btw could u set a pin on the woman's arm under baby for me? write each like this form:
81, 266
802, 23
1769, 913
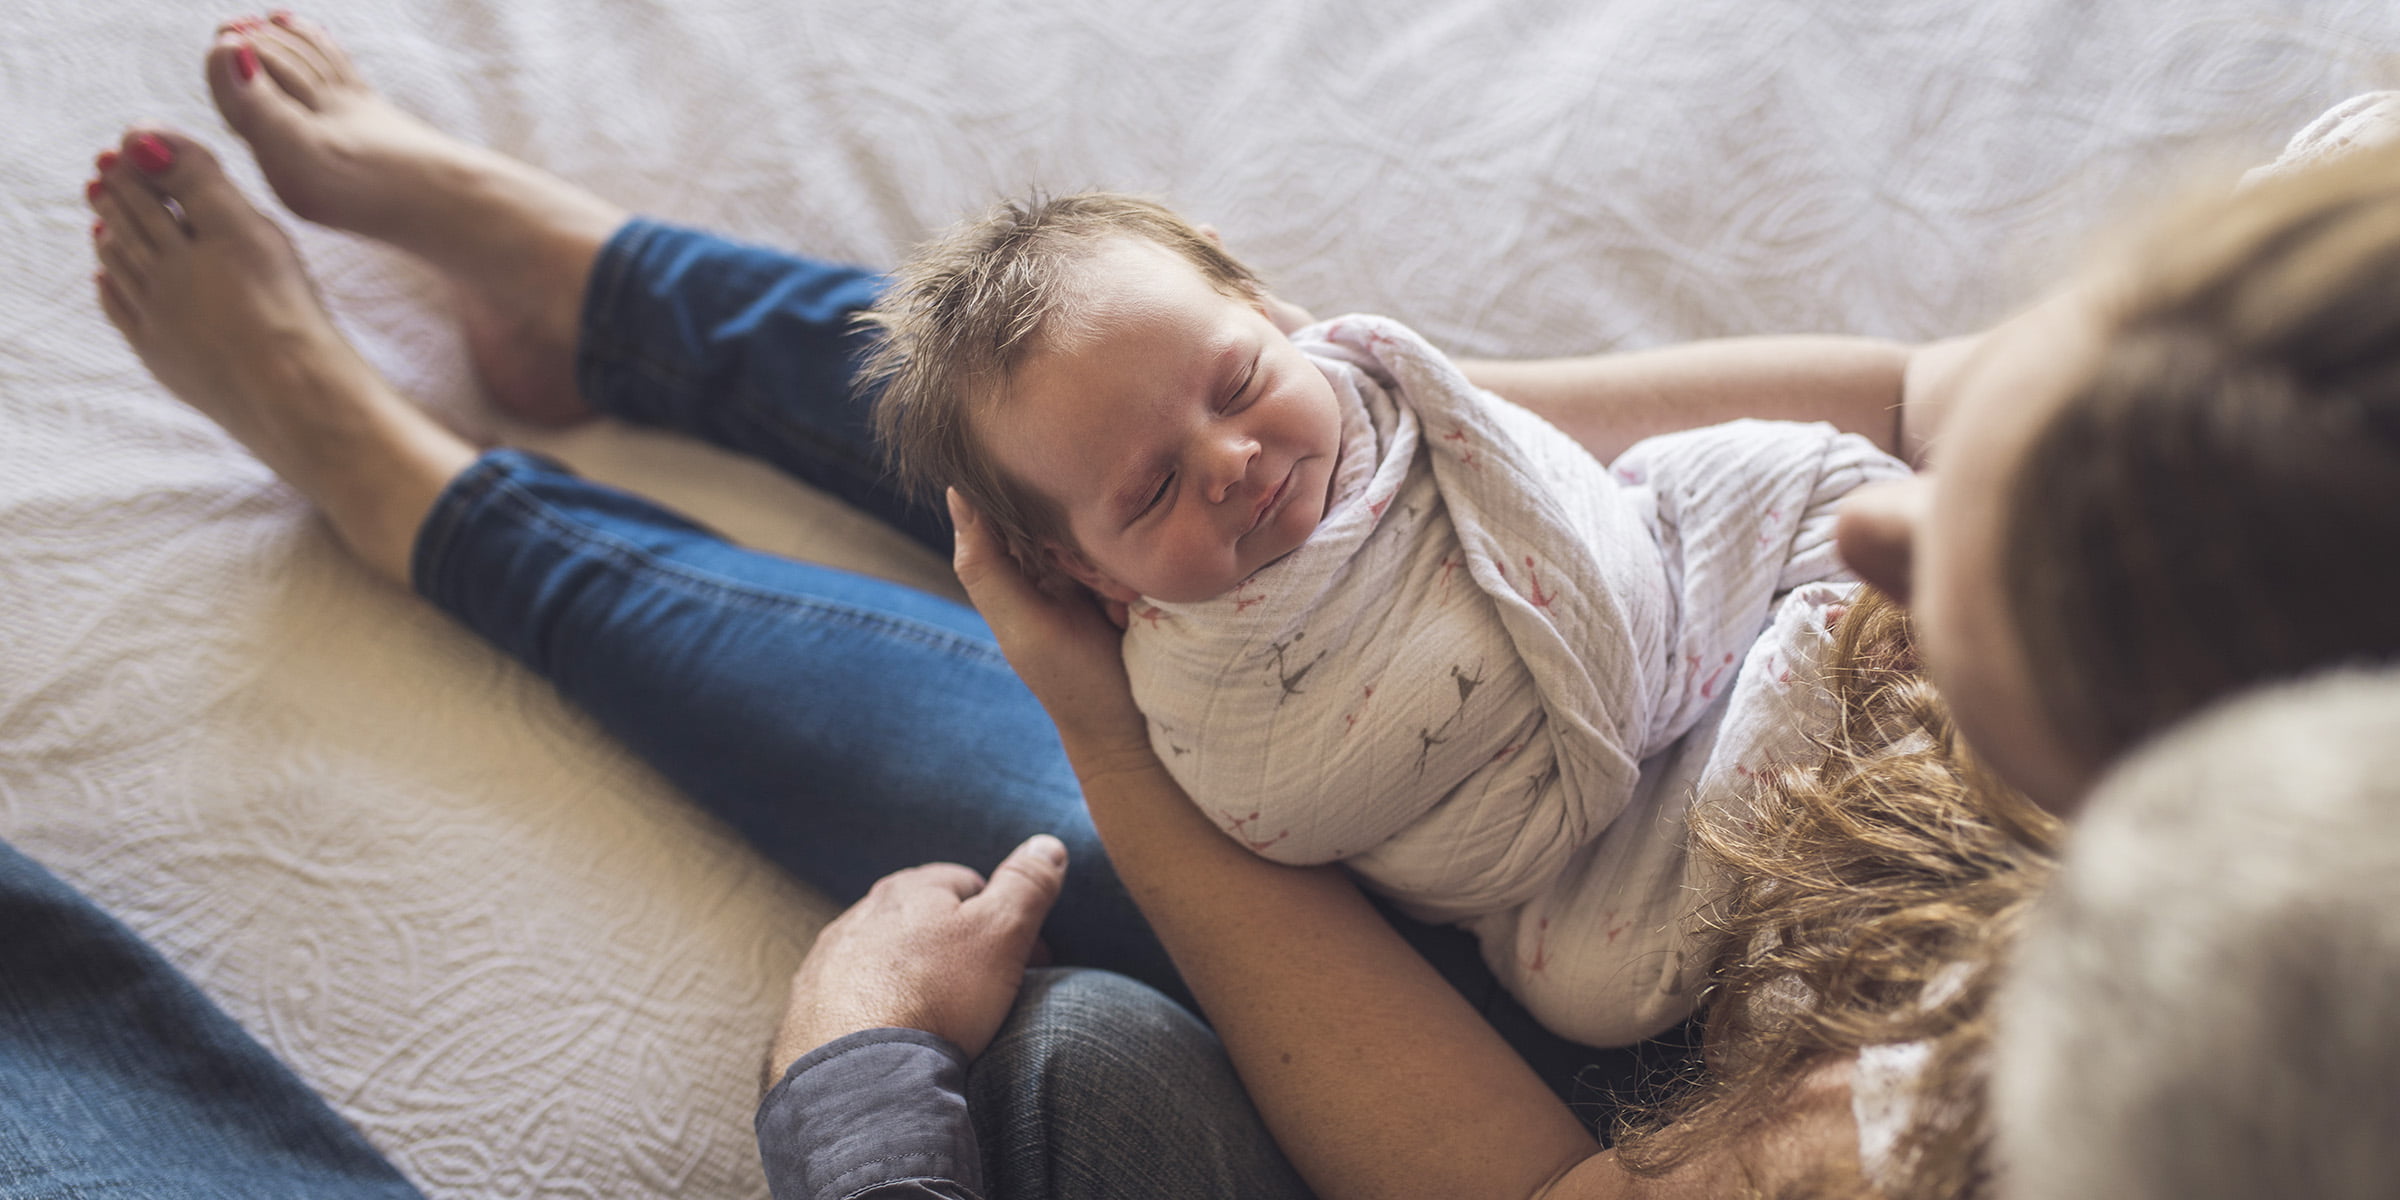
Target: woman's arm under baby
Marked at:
1608, 402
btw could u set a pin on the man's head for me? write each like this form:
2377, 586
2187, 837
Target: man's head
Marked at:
1102, 381
2201, 1006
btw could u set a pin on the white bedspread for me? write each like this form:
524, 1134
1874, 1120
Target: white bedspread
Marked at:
512, 956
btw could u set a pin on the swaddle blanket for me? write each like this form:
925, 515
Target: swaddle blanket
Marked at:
1453, 684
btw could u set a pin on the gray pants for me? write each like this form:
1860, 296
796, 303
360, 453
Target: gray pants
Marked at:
1098, 1086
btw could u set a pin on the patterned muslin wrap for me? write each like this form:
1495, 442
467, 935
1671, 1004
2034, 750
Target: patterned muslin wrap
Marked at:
1497, 675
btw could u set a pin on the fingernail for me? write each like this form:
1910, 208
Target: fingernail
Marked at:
107, 160
1049, 848
91, 191
281, 16
152, 154
245, 63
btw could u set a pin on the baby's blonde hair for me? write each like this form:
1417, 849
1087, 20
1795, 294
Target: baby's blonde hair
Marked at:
962, 314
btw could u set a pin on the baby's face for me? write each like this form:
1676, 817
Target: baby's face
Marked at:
1188, 442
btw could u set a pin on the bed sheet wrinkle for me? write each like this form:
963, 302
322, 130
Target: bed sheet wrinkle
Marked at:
504, 948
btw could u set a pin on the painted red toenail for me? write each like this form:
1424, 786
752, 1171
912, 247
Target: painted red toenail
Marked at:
245, 63
91, 191
152, 154
107, 160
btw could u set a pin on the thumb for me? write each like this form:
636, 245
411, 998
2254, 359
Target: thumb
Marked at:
968, 536
976, 555
1025, 885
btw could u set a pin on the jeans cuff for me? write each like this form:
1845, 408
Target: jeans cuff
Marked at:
428, 573
602, 331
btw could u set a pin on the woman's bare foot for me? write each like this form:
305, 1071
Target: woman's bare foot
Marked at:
517, 243
213, 299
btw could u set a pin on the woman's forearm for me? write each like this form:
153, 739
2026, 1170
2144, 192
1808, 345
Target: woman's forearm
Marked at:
1608, 402
1375, 1076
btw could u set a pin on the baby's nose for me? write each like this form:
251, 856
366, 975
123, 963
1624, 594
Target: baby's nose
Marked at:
1229, 465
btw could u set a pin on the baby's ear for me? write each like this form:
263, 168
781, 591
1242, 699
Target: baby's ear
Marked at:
1286, 316
1080, 569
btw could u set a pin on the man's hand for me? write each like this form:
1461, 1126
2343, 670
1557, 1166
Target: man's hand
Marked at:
935, 948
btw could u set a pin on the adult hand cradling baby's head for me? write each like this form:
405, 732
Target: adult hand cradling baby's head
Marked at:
1064, 647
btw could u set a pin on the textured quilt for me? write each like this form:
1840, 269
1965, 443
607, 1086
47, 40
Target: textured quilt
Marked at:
517, 960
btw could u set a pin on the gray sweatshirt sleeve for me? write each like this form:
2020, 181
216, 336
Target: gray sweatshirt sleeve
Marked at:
877, 1115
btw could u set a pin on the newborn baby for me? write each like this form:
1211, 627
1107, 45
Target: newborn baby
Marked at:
1375, 614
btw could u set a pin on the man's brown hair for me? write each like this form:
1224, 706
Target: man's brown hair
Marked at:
964, 312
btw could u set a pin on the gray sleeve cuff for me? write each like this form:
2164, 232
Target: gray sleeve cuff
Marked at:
881, 1113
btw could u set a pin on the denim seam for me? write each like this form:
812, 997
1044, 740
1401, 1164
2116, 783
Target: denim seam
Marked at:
505, 492
881, 1180
432, 550
611, 274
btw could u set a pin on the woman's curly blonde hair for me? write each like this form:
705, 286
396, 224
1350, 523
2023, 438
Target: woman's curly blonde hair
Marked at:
1872, 893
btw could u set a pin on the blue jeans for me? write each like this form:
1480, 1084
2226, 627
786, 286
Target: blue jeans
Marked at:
847, 726
118, 1078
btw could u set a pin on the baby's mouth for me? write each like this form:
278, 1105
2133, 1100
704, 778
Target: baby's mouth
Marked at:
1267, 506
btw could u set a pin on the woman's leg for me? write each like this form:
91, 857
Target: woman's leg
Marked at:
750, 348
848, 726
213, 300
516, 243
571, 308
845, 725
121, 1079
